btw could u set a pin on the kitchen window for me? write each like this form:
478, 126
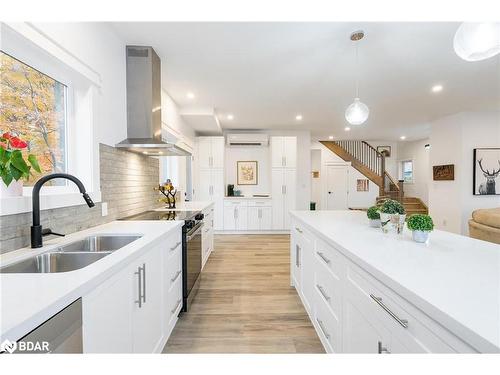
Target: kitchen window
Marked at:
33, 107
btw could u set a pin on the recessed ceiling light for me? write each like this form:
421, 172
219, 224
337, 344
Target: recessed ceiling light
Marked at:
298, 117
330, 137
230, 117
347, 128
402, 137
190, 95
437, 88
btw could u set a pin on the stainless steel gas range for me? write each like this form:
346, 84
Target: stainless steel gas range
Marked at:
191, 247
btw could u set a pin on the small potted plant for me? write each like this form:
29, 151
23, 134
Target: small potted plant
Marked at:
373, 217
13, 167
392, 215
421, 225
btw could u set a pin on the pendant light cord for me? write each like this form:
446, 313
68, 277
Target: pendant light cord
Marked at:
357, 70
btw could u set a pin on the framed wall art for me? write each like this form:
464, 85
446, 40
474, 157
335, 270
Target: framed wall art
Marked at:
486, 171
247, 172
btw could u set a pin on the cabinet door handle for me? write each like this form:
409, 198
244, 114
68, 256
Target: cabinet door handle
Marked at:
378, 300
176, 276
297, 255
176, 306
322, 256
322, 291
175, 246
322, 327
298, 230
284, 161
382, 349
284, 189
144, 282
139, 289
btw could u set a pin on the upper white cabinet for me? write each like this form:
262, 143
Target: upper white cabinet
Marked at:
210, 152
283, 152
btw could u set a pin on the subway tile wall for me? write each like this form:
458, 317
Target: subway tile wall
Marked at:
127, 182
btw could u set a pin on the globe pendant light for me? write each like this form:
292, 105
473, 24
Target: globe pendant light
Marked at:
357, 113
475, 41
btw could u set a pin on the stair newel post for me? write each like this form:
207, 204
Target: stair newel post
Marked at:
382, 174
401, 192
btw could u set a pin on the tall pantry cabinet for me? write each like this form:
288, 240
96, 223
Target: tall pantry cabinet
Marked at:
283, 180
209, 186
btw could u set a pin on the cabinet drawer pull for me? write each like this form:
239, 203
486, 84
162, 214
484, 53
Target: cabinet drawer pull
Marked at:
176, 276
322, 256
322, 327
176, 306
144, 282
298, 230
378, 300
139, 286
175, 246
297, 256
382, 349
322, 291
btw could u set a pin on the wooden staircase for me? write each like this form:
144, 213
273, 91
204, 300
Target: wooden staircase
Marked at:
371, 163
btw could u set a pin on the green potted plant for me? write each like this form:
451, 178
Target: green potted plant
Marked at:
13, 167
373, 216
392, 215
421, 226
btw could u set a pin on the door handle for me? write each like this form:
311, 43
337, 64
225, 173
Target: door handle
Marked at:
282, 161
322, 256
322, 327
402, 322
284, 188
297, 256
144, 282
322, 291
175, 246
382, 349
329, 192
139, 287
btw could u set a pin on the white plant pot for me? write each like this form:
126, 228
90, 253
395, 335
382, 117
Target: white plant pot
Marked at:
15, 189
375, 223
390, 222
420, 236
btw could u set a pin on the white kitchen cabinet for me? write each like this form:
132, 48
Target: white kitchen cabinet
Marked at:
128, 312
283, 196
211, 189
210, 152
235, 215
283, 152
259, 218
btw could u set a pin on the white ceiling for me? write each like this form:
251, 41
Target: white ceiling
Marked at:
266, 73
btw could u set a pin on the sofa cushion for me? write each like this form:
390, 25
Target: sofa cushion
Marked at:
487, 216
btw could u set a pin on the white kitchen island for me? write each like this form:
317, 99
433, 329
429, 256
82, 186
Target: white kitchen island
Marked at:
366, 291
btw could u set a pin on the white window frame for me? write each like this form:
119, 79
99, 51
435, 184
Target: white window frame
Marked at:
401, 174
29, 46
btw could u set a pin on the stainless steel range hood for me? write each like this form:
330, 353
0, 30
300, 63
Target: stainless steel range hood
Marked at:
144, 130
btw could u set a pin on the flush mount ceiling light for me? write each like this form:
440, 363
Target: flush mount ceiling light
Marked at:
230, 117
402, 137
347, 129
437, 88
330, 137
190, 95
475, 41
298, 117
357, 113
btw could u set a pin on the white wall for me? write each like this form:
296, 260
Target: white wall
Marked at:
422, 170
259, 154
391, 164
452, 140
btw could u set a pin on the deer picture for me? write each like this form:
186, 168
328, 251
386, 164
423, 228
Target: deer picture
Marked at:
488, 187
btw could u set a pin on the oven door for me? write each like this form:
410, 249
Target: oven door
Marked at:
193, 258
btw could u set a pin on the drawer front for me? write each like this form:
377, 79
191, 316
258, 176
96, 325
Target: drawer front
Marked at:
230, 203
174, 270
174, 301
301, 232
328, 288
405, 323
327, 325
174, 245
330, 258
260, 203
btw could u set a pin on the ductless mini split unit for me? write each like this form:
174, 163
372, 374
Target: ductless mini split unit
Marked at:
250, 139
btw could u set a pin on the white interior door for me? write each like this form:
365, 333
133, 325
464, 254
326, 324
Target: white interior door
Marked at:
336, 187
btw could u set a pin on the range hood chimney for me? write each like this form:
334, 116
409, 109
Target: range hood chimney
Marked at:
144, 130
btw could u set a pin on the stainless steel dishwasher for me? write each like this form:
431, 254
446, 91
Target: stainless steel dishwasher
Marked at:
62, 333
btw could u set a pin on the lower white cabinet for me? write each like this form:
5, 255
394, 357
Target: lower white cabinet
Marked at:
247, 215
352, 311
128, 313
207, 235
259, 218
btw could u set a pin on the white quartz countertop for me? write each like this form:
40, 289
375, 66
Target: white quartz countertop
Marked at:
453, 279
249, 197
27, 300
188, 206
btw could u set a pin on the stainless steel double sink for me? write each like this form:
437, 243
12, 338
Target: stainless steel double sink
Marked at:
72, 256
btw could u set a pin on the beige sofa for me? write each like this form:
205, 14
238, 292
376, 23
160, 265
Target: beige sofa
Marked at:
485, 225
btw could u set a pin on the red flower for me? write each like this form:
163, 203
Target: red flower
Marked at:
6, 136
17, 143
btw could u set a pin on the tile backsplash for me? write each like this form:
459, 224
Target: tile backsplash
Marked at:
127, 182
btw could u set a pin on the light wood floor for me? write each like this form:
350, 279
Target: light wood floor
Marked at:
245, 303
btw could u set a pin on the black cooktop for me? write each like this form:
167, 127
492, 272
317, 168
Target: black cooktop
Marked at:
163, 215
